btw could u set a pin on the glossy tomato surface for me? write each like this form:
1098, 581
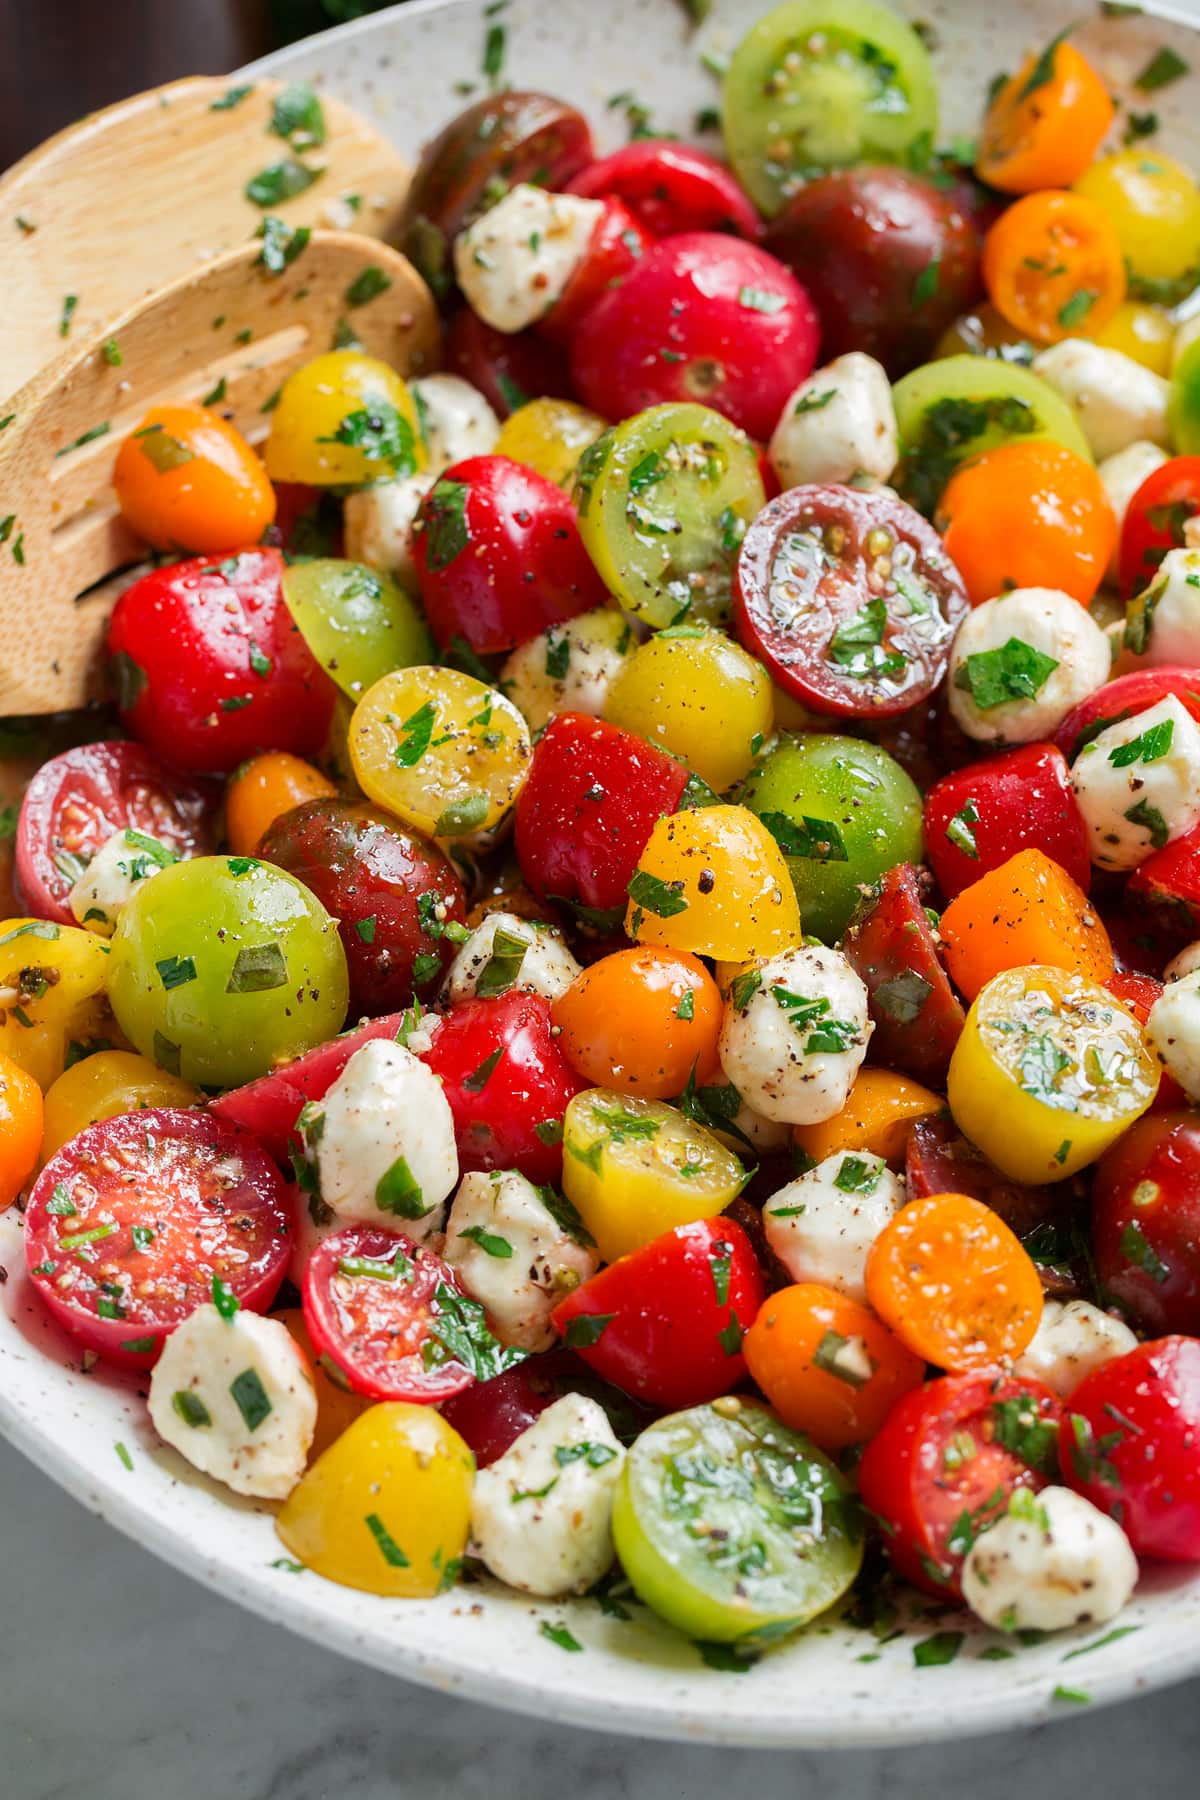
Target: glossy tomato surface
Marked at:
508, 368
1123, 699
671, 188
891, 947
1146, 1223
617, 245
977, 817
1155, 519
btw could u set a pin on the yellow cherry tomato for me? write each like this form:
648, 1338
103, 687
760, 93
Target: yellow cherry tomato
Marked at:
51, 993
713, 881
337, 1407
635, 1168
1154, 206
344, 419
104, 1085
387, 1507
1140, 331
550, 436
21, 1122
877, 1117
696, 693
1049, 1071
569, 668
442, 751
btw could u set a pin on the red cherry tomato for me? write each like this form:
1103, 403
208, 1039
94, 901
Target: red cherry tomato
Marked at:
848, 599
705, 318
671, 1316
75, 803
491, 1415
270, 1106
1122, 699
508, 368
498, 555
1131, 1444
617, 245
371, 1304
1155, 518
308, 521
128, 1224
1146, 1222
1137, 994
978, 817
672, 188
1170, 878
891, 947
949, 1456
209, 668
508, 1084
586, 813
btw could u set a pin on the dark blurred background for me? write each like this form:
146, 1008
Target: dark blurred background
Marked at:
62, 58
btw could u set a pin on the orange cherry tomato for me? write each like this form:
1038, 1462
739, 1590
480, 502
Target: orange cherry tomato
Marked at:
1046, 123
876, 1117
187, 480
954, 1283
337, 1407
640, 1021
264, 788
21, 1120
1028, 515
1026, 911
1053, 265
827, 1365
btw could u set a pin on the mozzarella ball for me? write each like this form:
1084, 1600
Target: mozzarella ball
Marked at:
514, 1256
838, 423
1186, 963
1173, 1031
121, 864
1138, 784
795, 1043
378, 523
1122, 475
569, 667
456, 420
822, 1225
546, 965
1116, 400
1162, 624
541, 1516
1071, 1340
1054, 1560
235, 1397
384, 1142
515, 261
999, 688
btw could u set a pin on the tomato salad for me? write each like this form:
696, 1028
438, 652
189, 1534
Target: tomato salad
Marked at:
624, 991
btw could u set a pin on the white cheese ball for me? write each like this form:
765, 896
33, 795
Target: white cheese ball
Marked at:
989, 700
515, 261
1117, 401
1054, 1562
795, 1044
235, 1397
456, 419
1137, 784
838, 423
541, 1516
1162, 624
384, 1142
378, 522
513, 1255
1173, 1031
822, 1225
1122, 475
1186, 963
570, 667
546, 967
1071, 1340
116, 872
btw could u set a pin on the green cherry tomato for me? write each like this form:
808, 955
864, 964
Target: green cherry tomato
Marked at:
843, 812
358, 624
223, 966
732, 1527
664, 500
1183, 407
816, 86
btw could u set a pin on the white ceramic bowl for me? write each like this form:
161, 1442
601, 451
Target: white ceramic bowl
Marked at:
833, 1685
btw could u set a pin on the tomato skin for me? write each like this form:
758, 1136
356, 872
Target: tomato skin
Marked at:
1044, 136
1046, 252
1143, 1411
490, 1415
662, 1344
863, 240
192, 695
498, 555
1170, 878
617, 245
308, 521
587, 810
369, 872
203, 1225
79, 798
213, 492
1154, 520
496, 1114
22, 1122
508, 368
892, 938
683, 298
671, 188
905, 1481
1146, 1223
1021, 798
938, 1159
623, 1027
262, 790
1137, 993
1121, 699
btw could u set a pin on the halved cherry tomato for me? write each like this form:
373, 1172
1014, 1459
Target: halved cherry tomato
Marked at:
1146, 1223
129, 1225
878, 1117
21, 1124
641, 1021
940, 1160
1046, 123
78, 799
666, 1322
1028, 910
890, 945
980, 816
617, 245
187, 480
1122, 699
1053, 266
953, 1282
671, 188
848, 599
946, 1463
509, 368
262, 790
1155, 519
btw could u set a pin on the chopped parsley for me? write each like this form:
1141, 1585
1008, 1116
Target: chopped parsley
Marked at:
1016, 671
490, 1242
399, 1192
818, 840
1164, 67
367, 285
281, 181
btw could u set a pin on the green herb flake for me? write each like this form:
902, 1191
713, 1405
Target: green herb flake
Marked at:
857, 1176
502, 970
586, 1329
365, 928
810, 403
1075, 310
490, 1242
1016, 671
1071, 1696
459, 1332
1042, 72
250, 1397
123, 1455
961, 830
934, 1652
224, 1299
817, 840
857, 646
298, 117
281, 245
477, 1080
230, 98
281, 181
389, 1549
257, 969
399, 1192
176, 971
382, 435
191, 1409
1019, 1426
1151, 820
1136, 1248
167, 1055
1164, 67
70, 302
902, 997
925, 286
60, 1203
662, 898
559, 1635
367, 285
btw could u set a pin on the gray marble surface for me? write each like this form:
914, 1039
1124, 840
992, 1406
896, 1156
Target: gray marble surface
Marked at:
122, 1680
